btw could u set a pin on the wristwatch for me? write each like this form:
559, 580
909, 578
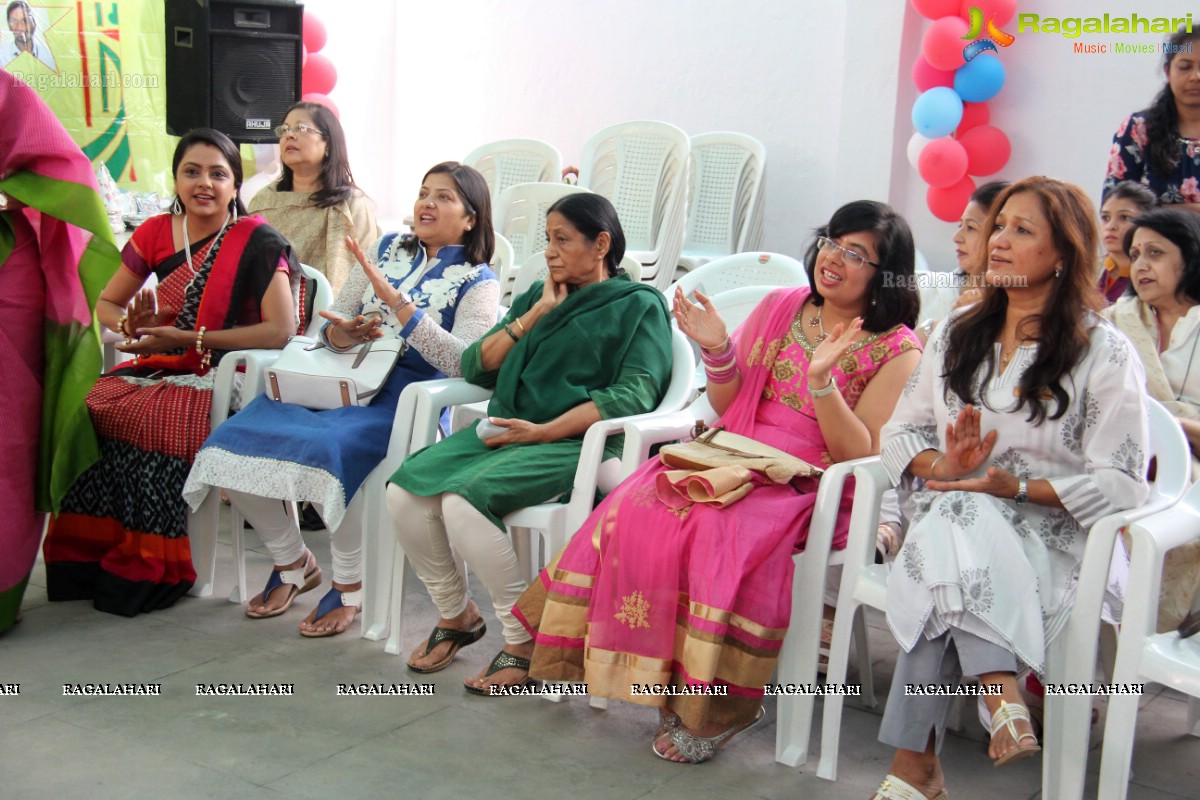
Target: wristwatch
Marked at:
1022, 495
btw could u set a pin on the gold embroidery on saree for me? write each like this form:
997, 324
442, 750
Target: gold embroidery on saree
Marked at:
635, 610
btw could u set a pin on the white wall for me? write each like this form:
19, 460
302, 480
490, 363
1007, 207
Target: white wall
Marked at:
825, 86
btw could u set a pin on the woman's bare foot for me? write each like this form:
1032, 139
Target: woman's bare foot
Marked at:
1003, 743
510, 676
337, 620
469, 618
923, 771
667, 749
282, 595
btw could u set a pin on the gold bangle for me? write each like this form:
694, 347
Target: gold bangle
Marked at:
933, 466
521, 325
200, 340
718, 349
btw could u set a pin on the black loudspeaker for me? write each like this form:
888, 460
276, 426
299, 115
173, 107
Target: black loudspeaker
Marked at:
233, 66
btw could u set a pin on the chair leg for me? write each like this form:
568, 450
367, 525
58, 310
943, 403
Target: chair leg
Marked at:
202, 539
1119, 730
831, 716
399, 568
862, 653
237, 537
379, 553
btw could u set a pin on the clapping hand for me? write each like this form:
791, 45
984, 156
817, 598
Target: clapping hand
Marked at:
966, 451
157, 339
700, 322
830, 351
143, 313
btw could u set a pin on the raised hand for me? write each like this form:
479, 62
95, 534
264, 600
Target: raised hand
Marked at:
966, 448
830, 351
389, 294
699, 322
143, 312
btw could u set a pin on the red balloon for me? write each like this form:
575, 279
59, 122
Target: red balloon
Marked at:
926, 77
318, 74
942, 163
947, 204
314, 34
935, 9
987, 149
943, 43
974, 115
303, 55
316, 97
1003, 9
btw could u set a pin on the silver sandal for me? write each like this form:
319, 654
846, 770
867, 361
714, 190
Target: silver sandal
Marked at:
698, 749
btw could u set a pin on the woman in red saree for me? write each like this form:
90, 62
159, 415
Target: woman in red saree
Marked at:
655, 592
225, 282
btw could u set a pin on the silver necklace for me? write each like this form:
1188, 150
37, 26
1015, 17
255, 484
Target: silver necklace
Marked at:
187, 249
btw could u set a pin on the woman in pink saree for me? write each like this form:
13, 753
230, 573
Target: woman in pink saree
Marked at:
652, 591
56, 254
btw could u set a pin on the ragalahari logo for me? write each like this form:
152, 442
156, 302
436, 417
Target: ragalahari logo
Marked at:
995, 35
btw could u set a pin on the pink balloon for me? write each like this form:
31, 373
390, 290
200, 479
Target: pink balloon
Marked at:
974, 115
942, 163
1003, 9
318, 74
943, 43
947, 204
316, 97
314, 34
926, 77
987, 149
935, 9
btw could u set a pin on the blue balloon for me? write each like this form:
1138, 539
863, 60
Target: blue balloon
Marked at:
937, 112
979, 79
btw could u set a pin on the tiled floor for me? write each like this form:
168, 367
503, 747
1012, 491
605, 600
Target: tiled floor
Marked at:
448, 745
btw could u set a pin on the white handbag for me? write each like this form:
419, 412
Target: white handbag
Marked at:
312, 375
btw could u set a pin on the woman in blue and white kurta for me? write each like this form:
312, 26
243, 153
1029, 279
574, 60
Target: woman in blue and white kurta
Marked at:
275, 451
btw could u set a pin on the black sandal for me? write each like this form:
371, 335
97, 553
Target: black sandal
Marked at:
458, 639
503, 660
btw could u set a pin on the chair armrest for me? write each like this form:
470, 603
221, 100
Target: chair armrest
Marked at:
429, 398
647, 430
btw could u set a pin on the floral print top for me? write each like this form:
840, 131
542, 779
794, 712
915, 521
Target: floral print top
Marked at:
1129, 161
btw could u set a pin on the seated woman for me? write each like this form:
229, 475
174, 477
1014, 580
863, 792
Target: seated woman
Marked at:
587, 343
1159, 147
315, 203
225, 282
653, 591
1026, 420
1163, 322
1121, 204
437, 293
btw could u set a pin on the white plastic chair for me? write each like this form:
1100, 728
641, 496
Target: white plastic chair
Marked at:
556, 521
512, 161
725, 198
740, 270
642, 168
520, 215
1142, 654
1071, 657
535, 269
503, 262
202, 524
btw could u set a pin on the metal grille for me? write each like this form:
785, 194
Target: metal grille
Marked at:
252, 78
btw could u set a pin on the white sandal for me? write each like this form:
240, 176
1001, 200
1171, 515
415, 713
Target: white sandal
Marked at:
894, 788
1005, 716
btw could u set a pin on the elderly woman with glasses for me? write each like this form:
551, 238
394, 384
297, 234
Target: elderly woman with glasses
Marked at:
315, 203
657, 589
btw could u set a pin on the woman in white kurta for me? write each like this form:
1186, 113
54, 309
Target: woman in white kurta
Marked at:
1026, 422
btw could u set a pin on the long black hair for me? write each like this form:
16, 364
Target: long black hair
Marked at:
891, 297
592, 215
337, 183
1182, 229
228, 149
1062, 334
1162, 118
472, 189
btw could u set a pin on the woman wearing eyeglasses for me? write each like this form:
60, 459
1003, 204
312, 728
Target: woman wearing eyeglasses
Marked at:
653, 590
315, 204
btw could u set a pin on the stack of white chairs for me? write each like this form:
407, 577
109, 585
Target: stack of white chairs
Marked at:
512, 161
1143, 655
725, 199
520, 216
504, 261
202, 524
642, 168
556, 521
1072, 656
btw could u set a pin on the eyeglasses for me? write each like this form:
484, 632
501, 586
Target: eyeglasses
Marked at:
849, 257
300, 130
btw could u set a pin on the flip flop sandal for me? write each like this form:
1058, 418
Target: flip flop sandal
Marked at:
458, 640
697, 749
298, 581
893, 788
1003, 719
503, 660
332, 601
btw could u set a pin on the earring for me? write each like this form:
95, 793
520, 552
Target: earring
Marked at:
874, 300
468, 227
176, 208
1057, 272
233, 209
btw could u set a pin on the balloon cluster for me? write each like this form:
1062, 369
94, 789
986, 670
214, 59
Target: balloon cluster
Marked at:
953, 140
318, 75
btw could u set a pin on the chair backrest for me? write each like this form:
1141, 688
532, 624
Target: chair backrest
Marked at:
724, 194
520, 215
740, 270
512, 161
1170, 447
535, 269
503, 263
321, 301
642, 168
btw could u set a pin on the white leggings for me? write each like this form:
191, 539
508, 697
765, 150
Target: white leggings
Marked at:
432, 529
281, 534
